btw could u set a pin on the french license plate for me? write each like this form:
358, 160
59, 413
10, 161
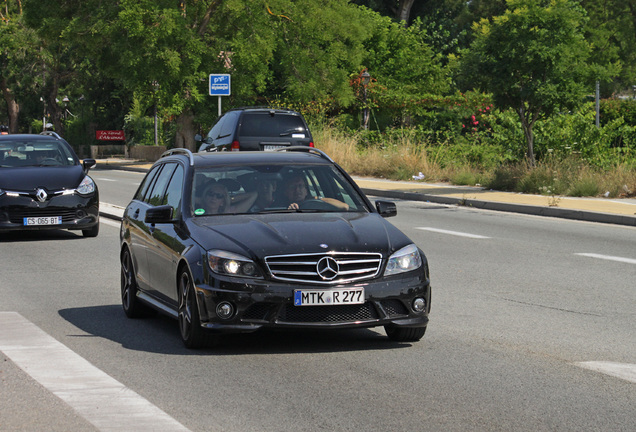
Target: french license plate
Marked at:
270, 147
44, 220
328, 297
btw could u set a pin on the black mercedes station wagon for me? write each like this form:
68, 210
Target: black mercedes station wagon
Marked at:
235, 242
43, 185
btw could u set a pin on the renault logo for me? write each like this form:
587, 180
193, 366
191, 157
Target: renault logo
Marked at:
327, 268
41, 195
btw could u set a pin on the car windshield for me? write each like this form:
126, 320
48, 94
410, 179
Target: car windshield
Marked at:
20, 153
258, 189
266, 125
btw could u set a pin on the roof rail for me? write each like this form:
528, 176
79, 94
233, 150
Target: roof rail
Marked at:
263, 107
51, 133
183, 151
308, 150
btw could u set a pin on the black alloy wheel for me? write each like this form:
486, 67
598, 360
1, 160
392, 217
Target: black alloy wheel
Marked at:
192, 334
132, 306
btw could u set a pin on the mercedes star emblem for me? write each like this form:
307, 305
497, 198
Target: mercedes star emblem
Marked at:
327, 268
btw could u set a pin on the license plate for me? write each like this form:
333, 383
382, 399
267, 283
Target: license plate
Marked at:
269, 147
44, 220
328, 297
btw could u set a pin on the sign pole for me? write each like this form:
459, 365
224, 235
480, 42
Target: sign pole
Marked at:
219, 85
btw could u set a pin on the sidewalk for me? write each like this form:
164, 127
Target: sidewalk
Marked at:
603, 210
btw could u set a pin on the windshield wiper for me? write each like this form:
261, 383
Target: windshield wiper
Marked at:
291, 131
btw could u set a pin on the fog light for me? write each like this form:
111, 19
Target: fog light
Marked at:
225, 310
80, 214
419, 304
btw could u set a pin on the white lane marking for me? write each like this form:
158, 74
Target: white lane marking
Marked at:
455, 233
623, 371
608, 257
99, 398
104, 179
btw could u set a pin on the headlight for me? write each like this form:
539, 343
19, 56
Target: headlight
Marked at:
231, 264
87, 186
406, 259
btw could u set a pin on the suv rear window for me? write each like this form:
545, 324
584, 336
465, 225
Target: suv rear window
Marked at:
265, 125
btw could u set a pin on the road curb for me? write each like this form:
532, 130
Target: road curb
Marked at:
557, 212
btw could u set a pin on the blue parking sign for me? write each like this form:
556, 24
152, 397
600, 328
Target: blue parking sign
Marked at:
219, 84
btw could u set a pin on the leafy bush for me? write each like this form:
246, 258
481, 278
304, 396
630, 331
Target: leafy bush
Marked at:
612, 109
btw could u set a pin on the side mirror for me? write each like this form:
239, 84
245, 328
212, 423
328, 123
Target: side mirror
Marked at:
88, 164
159, 214
386, 208
198, 138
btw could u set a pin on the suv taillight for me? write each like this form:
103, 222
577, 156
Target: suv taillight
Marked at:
235, 146
311, 144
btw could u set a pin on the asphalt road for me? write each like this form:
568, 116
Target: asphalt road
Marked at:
522, 306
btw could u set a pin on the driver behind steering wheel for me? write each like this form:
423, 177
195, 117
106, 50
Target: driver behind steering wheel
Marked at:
295, 192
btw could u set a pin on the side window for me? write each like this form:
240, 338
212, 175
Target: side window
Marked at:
344, 195
155, 197
215, 132
230, 123
143, 188
313, 185
174, 192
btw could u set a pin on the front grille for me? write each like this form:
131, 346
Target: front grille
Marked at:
17, 215
305, 268
328, 314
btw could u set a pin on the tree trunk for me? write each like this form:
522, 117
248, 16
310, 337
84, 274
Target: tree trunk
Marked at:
404, 11
526, 125
185, 131
54, 108
13, 108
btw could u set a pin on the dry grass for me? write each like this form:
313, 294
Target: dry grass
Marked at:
403, 159
398, 161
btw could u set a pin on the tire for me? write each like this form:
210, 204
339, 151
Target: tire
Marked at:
131, 305
405, 334
91, 232
192, 334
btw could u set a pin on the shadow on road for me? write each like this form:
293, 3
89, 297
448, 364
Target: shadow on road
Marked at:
39, 235
160, 334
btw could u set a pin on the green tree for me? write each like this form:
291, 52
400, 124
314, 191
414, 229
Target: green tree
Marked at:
163, 50
404, 68
532, 59
611, 32
399, 10
20, 61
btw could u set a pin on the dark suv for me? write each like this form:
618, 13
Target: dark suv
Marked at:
230, 242
257, 129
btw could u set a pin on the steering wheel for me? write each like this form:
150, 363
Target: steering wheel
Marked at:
50, 161
315, 204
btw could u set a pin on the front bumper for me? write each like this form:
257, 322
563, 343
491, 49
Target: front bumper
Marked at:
388, 301
77, 212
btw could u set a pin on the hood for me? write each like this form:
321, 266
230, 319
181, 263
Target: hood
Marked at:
257, 236
48, 178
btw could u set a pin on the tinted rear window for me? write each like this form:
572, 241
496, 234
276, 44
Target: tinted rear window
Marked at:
266, 125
